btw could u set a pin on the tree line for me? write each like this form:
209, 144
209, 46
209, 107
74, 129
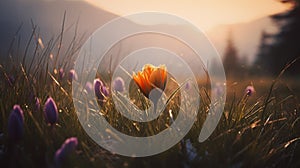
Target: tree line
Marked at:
276, 50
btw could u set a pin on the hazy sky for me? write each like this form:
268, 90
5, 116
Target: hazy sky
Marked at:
203, 13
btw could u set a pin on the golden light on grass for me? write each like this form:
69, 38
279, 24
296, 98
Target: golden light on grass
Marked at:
151, 77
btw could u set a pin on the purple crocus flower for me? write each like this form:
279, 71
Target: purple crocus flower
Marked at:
105, 91
37, 104
101, 91
50, 111
249, 90
65, 150
187, 86
72, 75
61, 73
97, 85
219, 89
119, 84
15, 124
88, 87
191, 151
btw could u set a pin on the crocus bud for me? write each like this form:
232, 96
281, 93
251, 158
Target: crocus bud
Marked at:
88, 87
219, 89
15, 124
61, 73
65, 150
50, 111
37, 104
249, 90
105, 91
187, 85
72, 75
191, 151
97, 86
119, 84
100, 90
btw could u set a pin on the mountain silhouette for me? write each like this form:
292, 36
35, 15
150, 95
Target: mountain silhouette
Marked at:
48, 16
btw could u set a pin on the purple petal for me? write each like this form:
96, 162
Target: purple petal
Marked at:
37, 104
50, 111
88, 87
15, 124
61, 73
101, 91
97, 86
187, 86
72, 75
105, 91
249, 90
65, 150
119, 84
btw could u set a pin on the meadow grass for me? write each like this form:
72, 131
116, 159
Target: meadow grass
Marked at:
261, 130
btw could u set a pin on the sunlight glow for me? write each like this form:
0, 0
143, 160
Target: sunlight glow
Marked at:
203, 13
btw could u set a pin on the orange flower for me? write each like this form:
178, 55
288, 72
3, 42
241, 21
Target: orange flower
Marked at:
151, 77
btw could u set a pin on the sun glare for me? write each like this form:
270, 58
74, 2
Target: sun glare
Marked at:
205, 14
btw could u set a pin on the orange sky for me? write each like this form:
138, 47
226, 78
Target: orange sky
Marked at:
203, 13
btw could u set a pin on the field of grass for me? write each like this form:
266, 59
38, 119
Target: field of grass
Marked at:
257, 130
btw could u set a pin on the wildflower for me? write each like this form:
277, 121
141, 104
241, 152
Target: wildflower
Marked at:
88, 87
65, 150
50, 111
187, 86
72, 75
219, 89
105, 91
15, 124
151, 77
61, 73
191, 151
37, 104
98, 84
119, 84
101, 91
249, 90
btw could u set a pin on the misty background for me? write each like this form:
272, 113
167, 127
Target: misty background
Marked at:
243, 46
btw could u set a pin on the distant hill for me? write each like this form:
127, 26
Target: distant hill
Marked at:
48, 16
